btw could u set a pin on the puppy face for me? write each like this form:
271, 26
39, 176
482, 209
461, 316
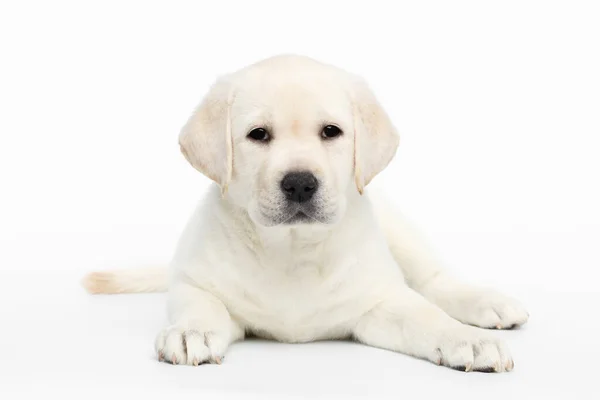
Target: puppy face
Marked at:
288, 139
292, 148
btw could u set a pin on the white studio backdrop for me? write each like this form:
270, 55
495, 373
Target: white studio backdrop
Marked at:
497, 104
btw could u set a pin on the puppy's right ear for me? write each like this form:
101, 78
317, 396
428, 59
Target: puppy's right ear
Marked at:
205, 139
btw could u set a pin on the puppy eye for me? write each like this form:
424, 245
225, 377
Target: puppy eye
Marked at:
259, 135
330, 132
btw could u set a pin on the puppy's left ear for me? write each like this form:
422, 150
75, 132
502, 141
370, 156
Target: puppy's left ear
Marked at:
205, 140
375, 137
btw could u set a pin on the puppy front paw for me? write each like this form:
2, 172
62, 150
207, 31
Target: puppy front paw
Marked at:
177, 345
468, 350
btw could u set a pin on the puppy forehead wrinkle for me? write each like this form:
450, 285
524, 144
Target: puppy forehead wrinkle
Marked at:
293, 109
295, 126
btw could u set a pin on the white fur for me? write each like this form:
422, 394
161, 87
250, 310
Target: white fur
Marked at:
358, 270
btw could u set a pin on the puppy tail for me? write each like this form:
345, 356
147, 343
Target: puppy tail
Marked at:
142, 280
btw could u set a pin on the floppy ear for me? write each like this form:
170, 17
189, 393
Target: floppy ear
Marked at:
205, 139
375, 137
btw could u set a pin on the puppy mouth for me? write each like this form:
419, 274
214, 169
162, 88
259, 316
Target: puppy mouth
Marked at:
289, 213
300, 218
294, 216
307, 214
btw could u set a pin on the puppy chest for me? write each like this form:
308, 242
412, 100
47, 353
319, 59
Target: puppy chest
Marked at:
294, 317
299, 304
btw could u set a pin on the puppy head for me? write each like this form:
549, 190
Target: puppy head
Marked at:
289, 139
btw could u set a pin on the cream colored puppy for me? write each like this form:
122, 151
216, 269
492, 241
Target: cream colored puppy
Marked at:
288, 246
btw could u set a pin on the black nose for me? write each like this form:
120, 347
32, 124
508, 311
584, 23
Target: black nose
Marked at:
299, 186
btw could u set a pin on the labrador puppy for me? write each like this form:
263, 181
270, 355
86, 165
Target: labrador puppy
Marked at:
288, 245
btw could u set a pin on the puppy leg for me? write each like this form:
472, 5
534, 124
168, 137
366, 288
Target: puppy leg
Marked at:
201, 328
407, 323
474, 305
469, 304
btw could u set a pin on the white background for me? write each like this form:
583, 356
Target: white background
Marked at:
498, 105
